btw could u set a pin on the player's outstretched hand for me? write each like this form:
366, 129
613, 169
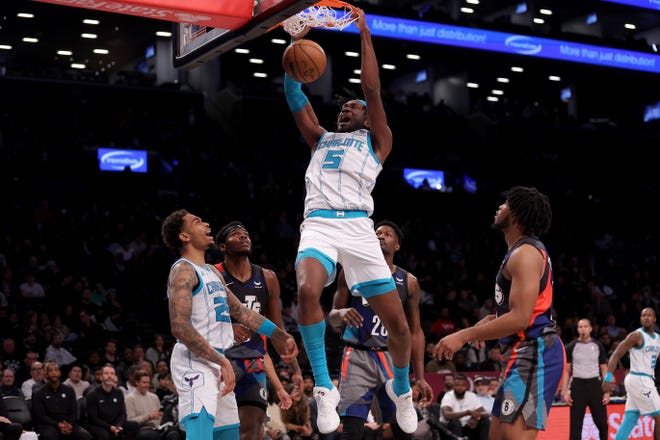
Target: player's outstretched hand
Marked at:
449, 345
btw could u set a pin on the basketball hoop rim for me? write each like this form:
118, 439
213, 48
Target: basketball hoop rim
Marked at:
334, 4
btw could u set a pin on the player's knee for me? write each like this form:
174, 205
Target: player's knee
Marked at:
310, 288
307, 290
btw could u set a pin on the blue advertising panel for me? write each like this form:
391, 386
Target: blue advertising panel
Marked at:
435, 33
647, 4
113, 159
652, 112
415, 177
469, 184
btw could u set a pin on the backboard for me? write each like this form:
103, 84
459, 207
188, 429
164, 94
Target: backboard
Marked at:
196, 44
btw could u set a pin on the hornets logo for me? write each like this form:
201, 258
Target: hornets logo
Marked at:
193, 379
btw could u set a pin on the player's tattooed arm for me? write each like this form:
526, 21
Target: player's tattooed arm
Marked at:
180, 284
243, 315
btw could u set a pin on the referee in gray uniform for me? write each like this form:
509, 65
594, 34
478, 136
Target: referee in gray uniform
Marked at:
587, 364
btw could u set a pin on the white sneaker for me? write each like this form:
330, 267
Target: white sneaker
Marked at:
406, 417
327, 400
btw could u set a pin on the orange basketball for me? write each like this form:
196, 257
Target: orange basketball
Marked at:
304, 61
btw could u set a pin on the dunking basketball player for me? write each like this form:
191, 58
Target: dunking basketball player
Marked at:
259, 289
337, 228
202, 309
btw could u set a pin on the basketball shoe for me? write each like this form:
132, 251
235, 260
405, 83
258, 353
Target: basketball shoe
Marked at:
406, 416
327, 401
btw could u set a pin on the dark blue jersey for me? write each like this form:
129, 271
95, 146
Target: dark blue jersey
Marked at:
542, 314
373, 334
254, 294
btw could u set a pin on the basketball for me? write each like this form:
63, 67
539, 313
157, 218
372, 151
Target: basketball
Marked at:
304, 61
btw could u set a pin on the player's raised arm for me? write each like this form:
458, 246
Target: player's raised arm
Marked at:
301, 108
381, 134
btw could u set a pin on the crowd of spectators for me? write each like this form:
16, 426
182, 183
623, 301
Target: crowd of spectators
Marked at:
83, 269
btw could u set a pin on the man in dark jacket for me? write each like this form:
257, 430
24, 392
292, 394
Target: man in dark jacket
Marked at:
55, 409
106, 409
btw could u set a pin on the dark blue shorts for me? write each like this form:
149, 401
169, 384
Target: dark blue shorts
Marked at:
250, 382
530, 379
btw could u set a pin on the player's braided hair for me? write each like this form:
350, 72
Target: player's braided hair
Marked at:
172, 227
531, 209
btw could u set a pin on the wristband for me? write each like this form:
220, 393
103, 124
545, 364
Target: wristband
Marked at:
266, 328
608, 378
295, 97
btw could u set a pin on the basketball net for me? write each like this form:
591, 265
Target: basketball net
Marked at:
326, 13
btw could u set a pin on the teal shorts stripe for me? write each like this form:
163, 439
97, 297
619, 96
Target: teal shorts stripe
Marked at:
375, 287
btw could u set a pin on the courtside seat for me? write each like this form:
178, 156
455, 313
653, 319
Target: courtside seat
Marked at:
18, 411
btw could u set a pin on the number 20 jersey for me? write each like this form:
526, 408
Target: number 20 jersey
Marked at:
373, 332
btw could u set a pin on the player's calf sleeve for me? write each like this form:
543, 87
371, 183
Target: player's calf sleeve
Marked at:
401, 383
629, 421
313, 337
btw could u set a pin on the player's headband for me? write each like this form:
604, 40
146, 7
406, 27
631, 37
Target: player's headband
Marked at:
228, 229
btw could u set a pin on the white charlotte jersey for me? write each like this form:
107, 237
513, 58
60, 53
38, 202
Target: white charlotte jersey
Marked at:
342, 173
210, 309
643, 358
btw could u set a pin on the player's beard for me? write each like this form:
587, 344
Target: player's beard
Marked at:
502, 224
459, 395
